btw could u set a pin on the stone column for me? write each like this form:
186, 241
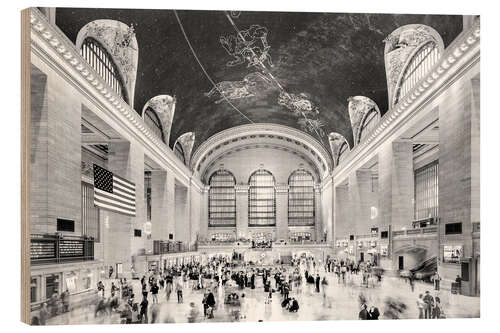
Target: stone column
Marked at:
204, 213
159, 205
459, 173
319, 227
126, 160
169, 219
396, 188
55, 154
182, 224
242, 211
282, 212
195, 212
363, 207
341, 212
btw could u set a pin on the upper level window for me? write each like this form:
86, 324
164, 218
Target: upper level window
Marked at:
301, 199
425, 58
261, 199
369, 123
100, 60
344, 149
427, 191
222, 199
153, 123
179, 152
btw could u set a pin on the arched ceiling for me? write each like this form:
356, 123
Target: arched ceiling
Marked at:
261, 136
326, 57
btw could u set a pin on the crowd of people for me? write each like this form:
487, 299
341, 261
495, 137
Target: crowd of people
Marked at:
223, 276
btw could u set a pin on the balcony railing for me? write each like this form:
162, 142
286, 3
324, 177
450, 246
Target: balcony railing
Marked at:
414, 232
55, 248
165, 247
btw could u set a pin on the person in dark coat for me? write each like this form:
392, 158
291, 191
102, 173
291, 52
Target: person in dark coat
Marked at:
210, 302
144, 310
374, 313
363, 314
294, 307
317, 283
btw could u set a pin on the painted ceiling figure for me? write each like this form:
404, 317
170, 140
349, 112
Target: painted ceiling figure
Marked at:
238, 89
297, 103
244, 47
312, 126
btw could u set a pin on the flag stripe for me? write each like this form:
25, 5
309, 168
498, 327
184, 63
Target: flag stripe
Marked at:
122, 194
115, 204
115, 209
124, 191
110, 196
125, 182
124, 188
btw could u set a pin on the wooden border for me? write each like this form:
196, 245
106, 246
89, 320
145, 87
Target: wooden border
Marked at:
25, 164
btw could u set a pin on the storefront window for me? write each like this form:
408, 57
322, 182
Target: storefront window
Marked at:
51, 285
35, 289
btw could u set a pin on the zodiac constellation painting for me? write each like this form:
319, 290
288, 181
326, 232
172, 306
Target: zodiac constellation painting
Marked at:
245, 47
250, 46
238, 89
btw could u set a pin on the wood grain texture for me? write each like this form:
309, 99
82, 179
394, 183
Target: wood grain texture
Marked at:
25, 170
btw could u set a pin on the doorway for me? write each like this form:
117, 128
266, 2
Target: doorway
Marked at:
362, 257
401, 265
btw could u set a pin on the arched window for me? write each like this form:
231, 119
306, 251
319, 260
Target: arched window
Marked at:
369, 123
261, 199
423, 60
154, 123
100, 60
344, 149
301, 198
179, 152
222, 199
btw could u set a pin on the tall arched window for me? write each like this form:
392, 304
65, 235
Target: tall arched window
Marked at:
261, 199
344, 149
100, 60
222, 199
179, 152
423, 60
301, 198
371, 120
154, 123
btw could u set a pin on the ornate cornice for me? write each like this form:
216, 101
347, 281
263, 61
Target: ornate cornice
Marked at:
461, 53
306, 142
48, 37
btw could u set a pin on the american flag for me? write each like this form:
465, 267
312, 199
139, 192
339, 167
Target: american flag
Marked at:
113, 193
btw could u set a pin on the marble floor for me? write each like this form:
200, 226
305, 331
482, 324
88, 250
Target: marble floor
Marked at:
337, 301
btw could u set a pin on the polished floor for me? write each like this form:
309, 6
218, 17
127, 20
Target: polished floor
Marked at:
337, 301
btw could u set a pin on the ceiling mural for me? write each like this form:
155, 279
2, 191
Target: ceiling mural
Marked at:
293, 69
